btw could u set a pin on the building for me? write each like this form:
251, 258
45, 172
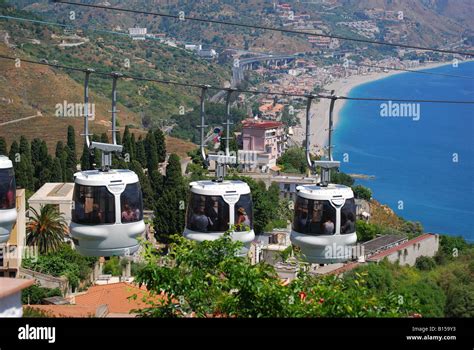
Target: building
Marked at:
12, 252
206, 52
137, 33
108, 300
57, 194
10, 296
363, 210
272, 111
381, 244
265, 139
269, 246
288, 184
407, 253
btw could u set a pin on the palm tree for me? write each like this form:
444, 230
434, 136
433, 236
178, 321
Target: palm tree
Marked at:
46, 229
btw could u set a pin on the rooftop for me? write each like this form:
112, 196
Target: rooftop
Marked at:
381, 255
53, 192
260, 124
381, 242
109, 300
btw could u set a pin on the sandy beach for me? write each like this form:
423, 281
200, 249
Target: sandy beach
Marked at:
342, 87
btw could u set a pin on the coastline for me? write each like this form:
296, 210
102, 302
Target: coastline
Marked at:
342, 87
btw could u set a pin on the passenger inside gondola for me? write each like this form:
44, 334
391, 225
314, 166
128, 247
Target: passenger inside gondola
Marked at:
243, 221
127, 214
97, 215
349, 223
200, 221
212, 212
328, 227
7, 190
315, 225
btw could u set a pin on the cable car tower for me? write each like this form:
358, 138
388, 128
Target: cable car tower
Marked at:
107, 216
324, 219
216, 206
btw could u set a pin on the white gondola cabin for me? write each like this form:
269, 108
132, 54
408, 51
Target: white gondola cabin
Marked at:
8, 212
324, 223
107, 216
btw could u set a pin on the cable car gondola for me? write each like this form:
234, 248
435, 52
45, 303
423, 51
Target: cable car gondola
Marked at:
7, 198
324, 218
107, 217
215, 206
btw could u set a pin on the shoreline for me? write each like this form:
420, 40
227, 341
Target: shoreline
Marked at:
342, 87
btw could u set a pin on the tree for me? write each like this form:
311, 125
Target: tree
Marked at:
174, 175
46, 229
148, 200
425, 263
25, 170
86, 158
362, 192
113, 267
14, 151
233, 147
35, 294
57, 171
208, 280
460, 301
62, 156
65, 261
59, 149
341, 178
151, 151
141, 152
171, 202
365, 231
3, 146
127, 144
160, 145
169, 214
71, 145
451, 246
293, 160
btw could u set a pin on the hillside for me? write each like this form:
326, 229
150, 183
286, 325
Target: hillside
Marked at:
106, 53
426, 22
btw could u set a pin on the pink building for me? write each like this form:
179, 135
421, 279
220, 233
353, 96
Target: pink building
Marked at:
264, 138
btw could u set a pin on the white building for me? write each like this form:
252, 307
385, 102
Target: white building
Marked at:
57, 194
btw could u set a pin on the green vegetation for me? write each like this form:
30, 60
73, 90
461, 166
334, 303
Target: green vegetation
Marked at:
365, 231
109, 53
63, 262
170, 205
362, 192
208, 280
113, 266
293, 161
29, 312
46, 229
185, 127
35, 294
269, 211
443, 285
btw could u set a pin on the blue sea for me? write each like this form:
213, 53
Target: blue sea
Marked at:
424, 169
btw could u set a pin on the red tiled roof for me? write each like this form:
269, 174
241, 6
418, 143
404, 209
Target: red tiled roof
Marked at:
64, 310
381, 255
115, 295
255, 124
